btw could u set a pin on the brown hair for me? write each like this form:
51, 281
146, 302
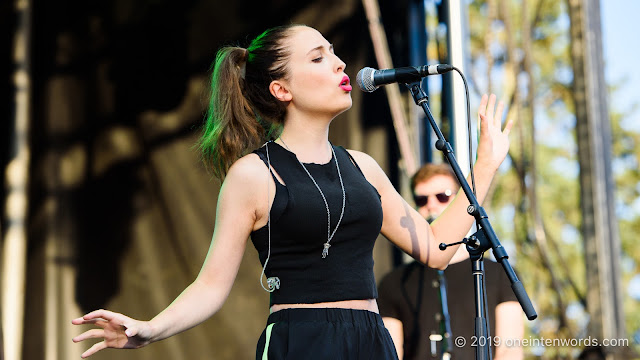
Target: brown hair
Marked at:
427, 171
242, 113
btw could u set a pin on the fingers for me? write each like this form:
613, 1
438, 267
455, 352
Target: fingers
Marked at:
104, 314
94, 349
507, 128
81, 321
482, 109
89, 334
131, 331
489, 111
491, 106
100, 317
497, 120
484, 124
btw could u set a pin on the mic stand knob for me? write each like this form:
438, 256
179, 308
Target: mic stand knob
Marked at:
471, 242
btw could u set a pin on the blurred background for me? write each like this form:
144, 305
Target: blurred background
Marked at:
105, 203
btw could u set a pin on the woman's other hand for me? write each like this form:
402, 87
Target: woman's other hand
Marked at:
494, 141
116, 331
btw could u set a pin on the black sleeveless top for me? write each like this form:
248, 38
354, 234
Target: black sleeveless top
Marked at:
299, 230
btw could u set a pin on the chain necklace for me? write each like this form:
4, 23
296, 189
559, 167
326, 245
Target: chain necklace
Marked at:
327, 245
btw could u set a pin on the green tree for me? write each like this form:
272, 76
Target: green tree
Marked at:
520, 50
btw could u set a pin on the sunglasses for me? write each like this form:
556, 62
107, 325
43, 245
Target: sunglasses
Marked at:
443, 197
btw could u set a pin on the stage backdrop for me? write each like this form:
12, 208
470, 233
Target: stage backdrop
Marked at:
121, 210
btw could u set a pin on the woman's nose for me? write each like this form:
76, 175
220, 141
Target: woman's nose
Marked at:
341, 65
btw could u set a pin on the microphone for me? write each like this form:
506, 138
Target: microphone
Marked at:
370, 79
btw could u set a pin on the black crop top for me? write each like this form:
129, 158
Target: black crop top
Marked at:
299, 230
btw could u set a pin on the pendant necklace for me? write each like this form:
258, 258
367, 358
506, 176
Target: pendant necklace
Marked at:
327, 245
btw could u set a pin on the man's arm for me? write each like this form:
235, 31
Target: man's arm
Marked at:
509, 331
397, 334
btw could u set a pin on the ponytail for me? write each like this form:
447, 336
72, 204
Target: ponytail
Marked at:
242, 113
230, 124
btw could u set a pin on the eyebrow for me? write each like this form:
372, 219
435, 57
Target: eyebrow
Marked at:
320, 48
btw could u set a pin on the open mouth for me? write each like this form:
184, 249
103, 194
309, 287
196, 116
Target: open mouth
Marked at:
345, 84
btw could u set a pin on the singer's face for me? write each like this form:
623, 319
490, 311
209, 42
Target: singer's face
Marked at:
316, 81
437, 184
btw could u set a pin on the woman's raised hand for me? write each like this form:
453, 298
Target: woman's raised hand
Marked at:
494, 142
116, 331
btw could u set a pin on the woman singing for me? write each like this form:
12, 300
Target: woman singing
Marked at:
313, 210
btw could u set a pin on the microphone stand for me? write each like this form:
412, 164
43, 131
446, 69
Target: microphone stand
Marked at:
478, 243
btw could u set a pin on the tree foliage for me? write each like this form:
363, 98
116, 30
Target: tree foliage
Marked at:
520, 51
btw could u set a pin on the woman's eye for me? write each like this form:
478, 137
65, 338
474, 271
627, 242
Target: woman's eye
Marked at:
317, 60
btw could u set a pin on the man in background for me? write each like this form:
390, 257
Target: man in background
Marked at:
410, 296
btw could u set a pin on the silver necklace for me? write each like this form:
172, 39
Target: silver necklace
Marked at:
327, 245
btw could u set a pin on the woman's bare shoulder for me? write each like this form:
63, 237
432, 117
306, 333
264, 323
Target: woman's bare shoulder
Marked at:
370, 168
248, 170
364, 161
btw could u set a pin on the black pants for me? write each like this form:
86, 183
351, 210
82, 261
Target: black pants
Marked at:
332, 334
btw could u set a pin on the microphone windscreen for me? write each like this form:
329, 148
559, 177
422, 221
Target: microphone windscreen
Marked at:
365, 80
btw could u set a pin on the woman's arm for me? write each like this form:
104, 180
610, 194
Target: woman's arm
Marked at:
406, 228
236, 214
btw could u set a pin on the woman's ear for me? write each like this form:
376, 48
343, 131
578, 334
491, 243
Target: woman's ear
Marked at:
279, 91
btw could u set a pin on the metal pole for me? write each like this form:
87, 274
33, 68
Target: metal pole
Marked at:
418, 56
381, 49
593, 127
457, 45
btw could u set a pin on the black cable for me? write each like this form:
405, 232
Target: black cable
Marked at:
466, 92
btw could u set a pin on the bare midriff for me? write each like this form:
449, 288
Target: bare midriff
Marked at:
369, 305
